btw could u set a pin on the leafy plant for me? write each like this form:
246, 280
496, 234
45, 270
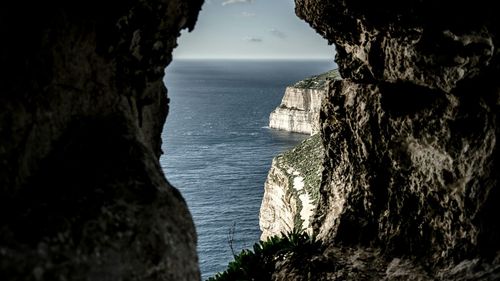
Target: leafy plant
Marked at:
259, 264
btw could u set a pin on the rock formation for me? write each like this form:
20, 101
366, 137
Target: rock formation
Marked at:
82, 106
291, 190
410, 188
300, 106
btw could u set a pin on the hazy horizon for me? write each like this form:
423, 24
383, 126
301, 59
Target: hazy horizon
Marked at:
255, 58
252, 30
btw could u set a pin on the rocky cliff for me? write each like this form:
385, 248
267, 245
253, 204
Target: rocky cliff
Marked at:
300, 106
82, 106
291, 190
410, 188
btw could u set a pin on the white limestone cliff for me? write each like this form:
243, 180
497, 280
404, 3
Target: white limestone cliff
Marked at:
291, 189
300, 106
298, 111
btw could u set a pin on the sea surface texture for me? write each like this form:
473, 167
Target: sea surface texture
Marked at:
218, 149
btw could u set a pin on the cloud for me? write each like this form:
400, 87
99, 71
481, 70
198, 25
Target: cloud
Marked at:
247, 14
277, 33
253, 39
229, 2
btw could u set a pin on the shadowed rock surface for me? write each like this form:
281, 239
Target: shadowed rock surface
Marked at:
82, 106
410, 183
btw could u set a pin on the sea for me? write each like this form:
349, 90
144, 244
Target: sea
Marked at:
218, 146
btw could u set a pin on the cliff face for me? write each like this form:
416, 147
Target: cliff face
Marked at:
410, 183
298, 111
82, 106
291, 190
300, 106
292, 185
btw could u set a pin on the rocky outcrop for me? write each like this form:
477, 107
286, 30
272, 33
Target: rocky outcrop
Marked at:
82, 106
410, 188
413, 168
292, 189
300, 106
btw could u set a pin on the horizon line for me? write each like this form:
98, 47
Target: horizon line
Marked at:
263, 58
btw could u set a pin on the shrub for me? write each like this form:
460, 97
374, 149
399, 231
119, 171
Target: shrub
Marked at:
259, 264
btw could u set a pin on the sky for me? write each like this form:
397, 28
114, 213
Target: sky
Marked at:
251, 29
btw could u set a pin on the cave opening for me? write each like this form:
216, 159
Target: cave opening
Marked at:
82, 107
226, 77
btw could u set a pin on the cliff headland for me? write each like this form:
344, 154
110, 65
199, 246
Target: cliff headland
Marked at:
300, 106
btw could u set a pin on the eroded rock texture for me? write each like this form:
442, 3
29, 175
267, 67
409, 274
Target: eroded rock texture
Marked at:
410, 186
422, 167
435, 44
82, 106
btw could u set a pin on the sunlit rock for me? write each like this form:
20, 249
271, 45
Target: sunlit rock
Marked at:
300, 106
291, 190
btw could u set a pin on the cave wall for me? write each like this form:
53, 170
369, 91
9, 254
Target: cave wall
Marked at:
410, 134
82, 106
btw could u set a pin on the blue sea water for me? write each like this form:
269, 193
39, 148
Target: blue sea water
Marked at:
218, 148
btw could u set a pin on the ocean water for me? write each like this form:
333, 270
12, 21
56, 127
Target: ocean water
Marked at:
218, 148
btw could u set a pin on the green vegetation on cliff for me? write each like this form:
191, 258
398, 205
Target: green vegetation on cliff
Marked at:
307, 159
318, 81
298, 172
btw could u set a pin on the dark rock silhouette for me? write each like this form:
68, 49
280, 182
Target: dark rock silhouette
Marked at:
82, 106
